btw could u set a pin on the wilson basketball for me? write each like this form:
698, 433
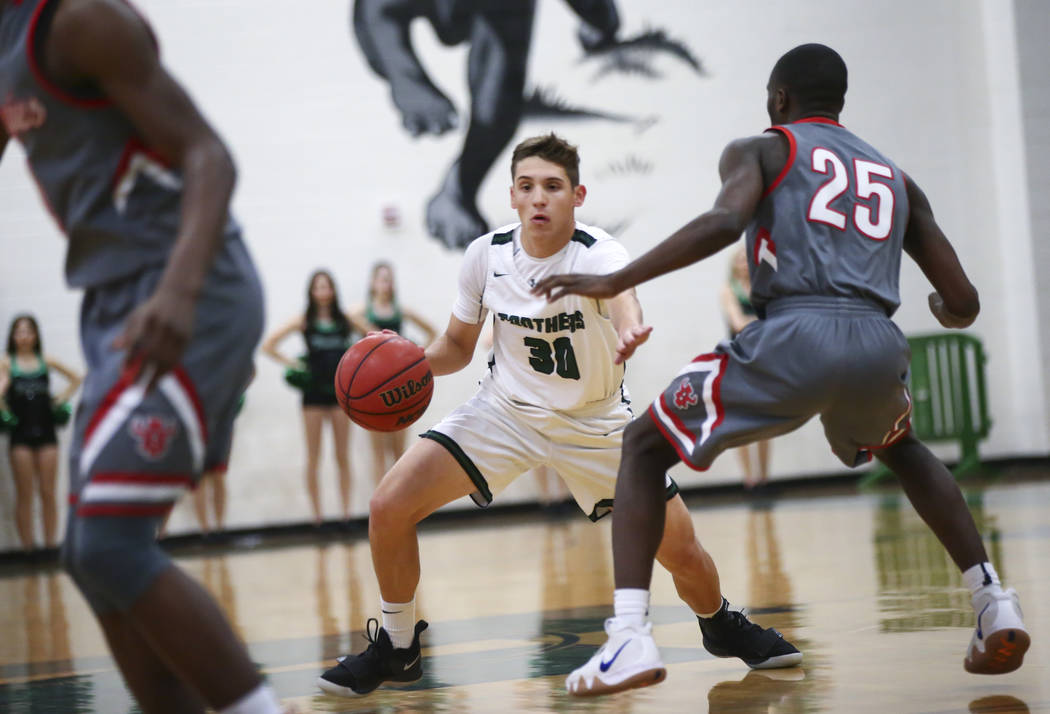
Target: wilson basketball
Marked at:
384, 382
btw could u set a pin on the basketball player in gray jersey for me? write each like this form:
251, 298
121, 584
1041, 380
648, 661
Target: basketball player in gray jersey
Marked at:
172, 311
826, 218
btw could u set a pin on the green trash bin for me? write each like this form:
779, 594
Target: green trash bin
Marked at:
949, 393
949, 396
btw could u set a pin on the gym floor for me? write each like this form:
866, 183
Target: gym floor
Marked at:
515, 602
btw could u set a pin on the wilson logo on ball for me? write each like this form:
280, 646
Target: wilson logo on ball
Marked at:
394, 396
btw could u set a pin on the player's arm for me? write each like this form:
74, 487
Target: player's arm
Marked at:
107, 43
454, 348
421, 323
5, 380
269, 345
73, 380
956, 303
742, 185
626, 314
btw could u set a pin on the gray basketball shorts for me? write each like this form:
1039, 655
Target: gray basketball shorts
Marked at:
842, 359
134, 453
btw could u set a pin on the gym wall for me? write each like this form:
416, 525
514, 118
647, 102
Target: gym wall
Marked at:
954, 90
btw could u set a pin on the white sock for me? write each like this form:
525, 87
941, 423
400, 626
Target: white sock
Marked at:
399, 621
979, 576
260, 700
631, 605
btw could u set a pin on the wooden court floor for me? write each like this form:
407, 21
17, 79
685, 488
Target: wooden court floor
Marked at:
854, 579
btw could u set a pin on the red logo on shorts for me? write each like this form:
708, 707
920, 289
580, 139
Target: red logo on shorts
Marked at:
685, 397
152, 435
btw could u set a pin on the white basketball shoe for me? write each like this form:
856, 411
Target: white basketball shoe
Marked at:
628, 659
1000, 641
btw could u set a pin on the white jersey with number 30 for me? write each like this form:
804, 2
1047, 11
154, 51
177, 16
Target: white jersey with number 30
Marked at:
555, 355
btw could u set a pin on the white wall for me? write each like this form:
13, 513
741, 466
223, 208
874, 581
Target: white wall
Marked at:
1032, 26
936, 85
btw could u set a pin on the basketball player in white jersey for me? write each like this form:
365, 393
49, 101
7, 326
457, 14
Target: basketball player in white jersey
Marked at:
554, 396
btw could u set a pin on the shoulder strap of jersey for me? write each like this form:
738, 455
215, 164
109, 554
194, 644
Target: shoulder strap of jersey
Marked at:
792, 150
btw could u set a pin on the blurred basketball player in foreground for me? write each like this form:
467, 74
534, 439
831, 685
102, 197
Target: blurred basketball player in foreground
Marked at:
826, 218
553, 395
172, 311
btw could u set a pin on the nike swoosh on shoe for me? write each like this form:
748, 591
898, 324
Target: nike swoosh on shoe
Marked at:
604, 666
980, 633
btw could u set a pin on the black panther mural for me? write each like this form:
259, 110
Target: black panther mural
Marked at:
499, 33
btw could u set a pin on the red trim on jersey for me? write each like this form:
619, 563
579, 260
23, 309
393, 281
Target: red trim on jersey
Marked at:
762, 235
191, 391
790, 161
132, 147
217, 468
818, 120
43, 80
126, 510
126, 379
140, 477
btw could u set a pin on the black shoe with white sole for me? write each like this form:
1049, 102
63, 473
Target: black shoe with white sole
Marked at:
728, 633
358, 674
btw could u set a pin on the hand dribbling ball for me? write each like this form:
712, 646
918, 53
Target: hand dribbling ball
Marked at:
383, 382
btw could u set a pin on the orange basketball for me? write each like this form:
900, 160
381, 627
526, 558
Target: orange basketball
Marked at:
384, 382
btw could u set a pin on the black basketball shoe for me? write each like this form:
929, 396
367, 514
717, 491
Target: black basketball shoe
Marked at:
381, 662
728, 633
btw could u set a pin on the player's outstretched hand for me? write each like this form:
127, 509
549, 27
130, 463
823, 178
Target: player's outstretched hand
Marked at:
156, 333
944, 317
630, 340
557, 286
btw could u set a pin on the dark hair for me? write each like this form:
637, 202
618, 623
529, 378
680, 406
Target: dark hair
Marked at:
376, 267
311, 307
38, 348
815, 74
549, 147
